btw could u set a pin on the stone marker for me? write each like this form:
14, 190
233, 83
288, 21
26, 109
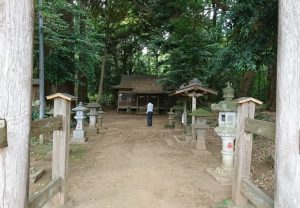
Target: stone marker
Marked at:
92, 129
79, 135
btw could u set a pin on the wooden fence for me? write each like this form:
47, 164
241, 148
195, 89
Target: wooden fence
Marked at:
243, 190
56, 190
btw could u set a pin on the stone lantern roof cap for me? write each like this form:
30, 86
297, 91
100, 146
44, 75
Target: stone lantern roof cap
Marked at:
80, 107
200, 112
177, 107
228, 105
228, 92
171, 113
93, 105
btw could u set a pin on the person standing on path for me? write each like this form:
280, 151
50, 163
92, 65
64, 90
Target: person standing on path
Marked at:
149, 114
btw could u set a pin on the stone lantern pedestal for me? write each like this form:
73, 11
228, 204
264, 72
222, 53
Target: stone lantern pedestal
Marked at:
92, 128
200, 128
227, 131
79, 135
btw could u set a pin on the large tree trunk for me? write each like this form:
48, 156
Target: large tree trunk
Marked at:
246, 83
101, 83
16, 41
288, 107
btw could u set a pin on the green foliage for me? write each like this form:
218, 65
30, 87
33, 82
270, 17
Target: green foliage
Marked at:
72, 42
175, 40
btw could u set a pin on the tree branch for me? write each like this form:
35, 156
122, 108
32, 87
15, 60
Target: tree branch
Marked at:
221, 5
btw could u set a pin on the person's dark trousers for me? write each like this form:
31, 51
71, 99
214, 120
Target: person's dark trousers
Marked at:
149, 118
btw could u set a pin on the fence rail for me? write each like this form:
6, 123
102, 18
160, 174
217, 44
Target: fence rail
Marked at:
42, 197
244, 191
255, 195
262, 128
3, 137
45, 125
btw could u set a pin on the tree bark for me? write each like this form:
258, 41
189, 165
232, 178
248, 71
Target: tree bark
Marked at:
101, 83
246, 83
16, 52
287, 159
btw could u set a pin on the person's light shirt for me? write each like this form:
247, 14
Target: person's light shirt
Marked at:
149, 107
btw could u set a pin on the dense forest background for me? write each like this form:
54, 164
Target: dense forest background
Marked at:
176, 40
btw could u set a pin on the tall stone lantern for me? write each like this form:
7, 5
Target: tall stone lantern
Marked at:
227, 131
92, 129
79, 135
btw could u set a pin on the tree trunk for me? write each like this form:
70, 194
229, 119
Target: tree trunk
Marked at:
246, 83
16, 41
271, 103
101, 83
287, 157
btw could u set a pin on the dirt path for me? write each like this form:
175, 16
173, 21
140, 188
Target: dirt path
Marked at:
133, 166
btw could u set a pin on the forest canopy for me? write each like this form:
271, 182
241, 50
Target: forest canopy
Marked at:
212, 40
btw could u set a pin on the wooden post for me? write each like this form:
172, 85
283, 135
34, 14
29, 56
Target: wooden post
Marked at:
194, 103
16, 41
243, 149
287, 155
185, 112
60, 156
137, 103
158, 104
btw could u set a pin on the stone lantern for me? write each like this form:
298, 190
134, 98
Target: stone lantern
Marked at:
227, 131
200, 127
100, 117
171, 118
92, 130
79, 135
178, 116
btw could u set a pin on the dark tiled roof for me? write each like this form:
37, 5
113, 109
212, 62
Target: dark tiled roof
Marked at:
140, 84
194, 86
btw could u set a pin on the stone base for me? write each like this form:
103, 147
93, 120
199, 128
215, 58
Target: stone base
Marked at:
221, 175
200, 144
79, 137
92, 131
181, 141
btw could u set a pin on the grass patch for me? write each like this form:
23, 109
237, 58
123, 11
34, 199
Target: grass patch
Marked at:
77, 152
227, 203
39, 151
